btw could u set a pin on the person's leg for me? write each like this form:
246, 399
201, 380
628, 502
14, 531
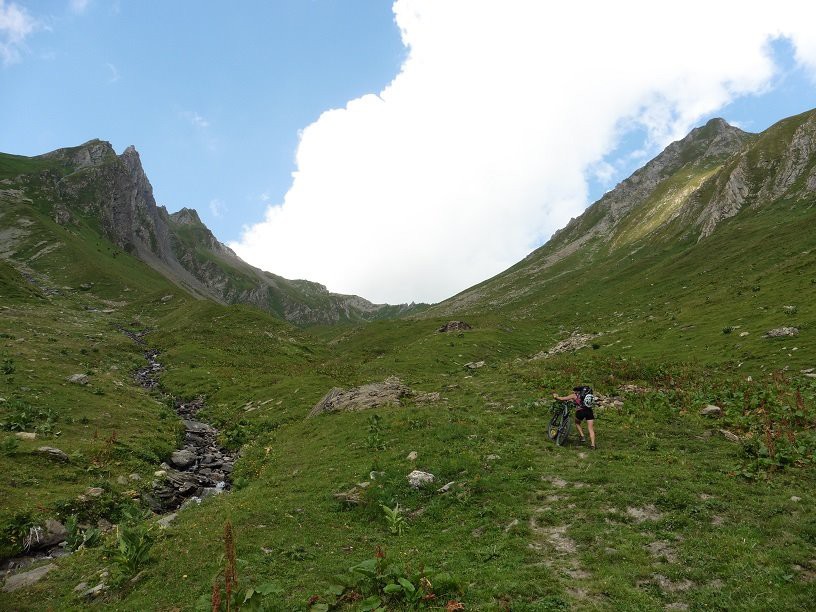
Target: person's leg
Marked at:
580, 431
591, 427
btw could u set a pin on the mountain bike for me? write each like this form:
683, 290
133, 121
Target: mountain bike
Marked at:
560, 424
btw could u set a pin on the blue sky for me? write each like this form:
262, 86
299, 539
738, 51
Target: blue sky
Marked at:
434, 143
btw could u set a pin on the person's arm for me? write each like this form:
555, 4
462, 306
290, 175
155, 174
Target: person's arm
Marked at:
564, 399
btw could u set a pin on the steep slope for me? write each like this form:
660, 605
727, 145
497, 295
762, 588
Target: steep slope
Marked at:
707, 236
91, 186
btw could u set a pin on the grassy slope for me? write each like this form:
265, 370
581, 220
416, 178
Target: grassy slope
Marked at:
736, 541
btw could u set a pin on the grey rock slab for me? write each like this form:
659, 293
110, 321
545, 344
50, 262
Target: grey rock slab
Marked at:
164, 522
183, 459
418, 479
53, 453
26, 579
78, 379
711, 411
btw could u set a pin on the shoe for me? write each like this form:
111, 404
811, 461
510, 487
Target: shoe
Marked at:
583, 440
592, 447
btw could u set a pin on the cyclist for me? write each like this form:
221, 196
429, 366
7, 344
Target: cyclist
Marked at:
582, 413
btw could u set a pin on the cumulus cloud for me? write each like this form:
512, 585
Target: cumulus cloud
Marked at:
15, 26
216, 207
483, 144
78, 6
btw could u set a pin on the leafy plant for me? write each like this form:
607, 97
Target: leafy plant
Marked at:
394, 518
727, 330
134, 539
80, 538
374, 440
8, 366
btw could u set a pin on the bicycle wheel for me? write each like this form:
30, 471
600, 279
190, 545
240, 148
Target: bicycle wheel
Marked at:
552, 427
563, 428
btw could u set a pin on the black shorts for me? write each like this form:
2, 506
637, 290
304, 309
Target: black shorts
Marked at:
584, 414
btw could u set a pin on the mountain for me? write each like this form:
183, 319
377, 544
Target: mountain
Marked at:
713, 229
91, 185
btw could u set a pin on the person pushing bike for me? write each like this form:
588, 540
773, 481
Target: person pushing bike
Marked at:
583, 398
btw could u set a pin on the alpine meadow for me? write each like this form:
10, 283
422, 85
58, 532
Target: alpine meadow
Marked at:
180, 430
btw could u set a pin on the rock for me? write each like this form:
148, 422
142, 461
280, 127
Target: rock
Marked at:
94, 491
474, 365
446, 488
743, 334
711, 411
795, 498
427, 398
122, 480
418, 479
373, 395
453, 326
730, 436
511, 524
782, 332
183, 459
95, 592
26, 579
808, 370
53, 453
166, 299
104, 525
492, 457
26, 435
374, 475
412, 456
164, 522
78, 379
352, 497
160, 473
811, 374
85, 286
135, 476
80, 587
575, 342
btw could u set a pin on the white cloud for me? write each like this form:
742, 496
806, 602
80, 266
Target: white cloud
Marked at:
114, 76
195, 119
216, 207
15, 26
78, 6
481, 147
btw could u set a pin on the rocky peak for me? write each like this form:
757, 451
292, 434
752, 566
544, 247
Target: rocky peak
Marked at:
186, 216
90, 154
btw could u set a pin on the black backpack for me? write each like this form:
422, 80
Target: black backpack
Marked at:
585, 395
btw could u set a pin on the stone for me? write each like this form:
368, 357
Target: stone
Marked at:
412, 456
492, 457
454, 326
96, 591
575, 342
94, 491
26, 579
711, 411
164, 522
166, 299
795, 498
104, 525
135, 476
730, 436
474, 365
80, 587
418, 479
25, 435
160, 473
782, 332
122, 480
352, 497
53, 453
743, 334
446, 488
374, 395
183, 459
78, 379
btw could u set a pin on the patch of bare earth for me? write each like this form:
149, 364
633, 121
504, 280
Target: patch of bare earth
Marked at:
647, 513
661, 550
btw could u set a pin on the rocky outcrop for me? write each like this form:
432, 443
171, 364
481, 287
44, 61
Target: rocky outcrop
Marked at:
373, 395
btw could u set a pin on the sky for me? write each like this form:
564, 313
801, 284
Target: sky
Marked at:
399, 151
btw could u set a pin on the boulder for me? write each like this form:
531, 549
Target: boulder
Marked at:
94, 491
53, 453
782, 332
418, 479
183, 459
575, 342
412, 456
78, 379
474, 365
453, 326
711, 411
730, 436
374, 395
26, 435
26, 579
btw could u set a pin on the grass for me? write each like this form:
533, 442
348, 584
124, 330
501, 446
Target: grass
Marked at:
668, 511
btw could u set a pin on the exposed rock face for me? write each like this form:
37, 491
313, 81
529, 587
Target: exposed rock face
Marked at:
576, 341
782, 332
454, 326
26, 579
374, 395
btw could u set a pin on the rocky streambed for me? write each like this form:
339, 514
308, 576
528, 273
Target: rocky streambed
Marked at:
198, 469
201, 467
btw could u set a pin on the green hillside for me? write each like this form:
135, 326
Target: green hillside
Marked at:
674, 510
